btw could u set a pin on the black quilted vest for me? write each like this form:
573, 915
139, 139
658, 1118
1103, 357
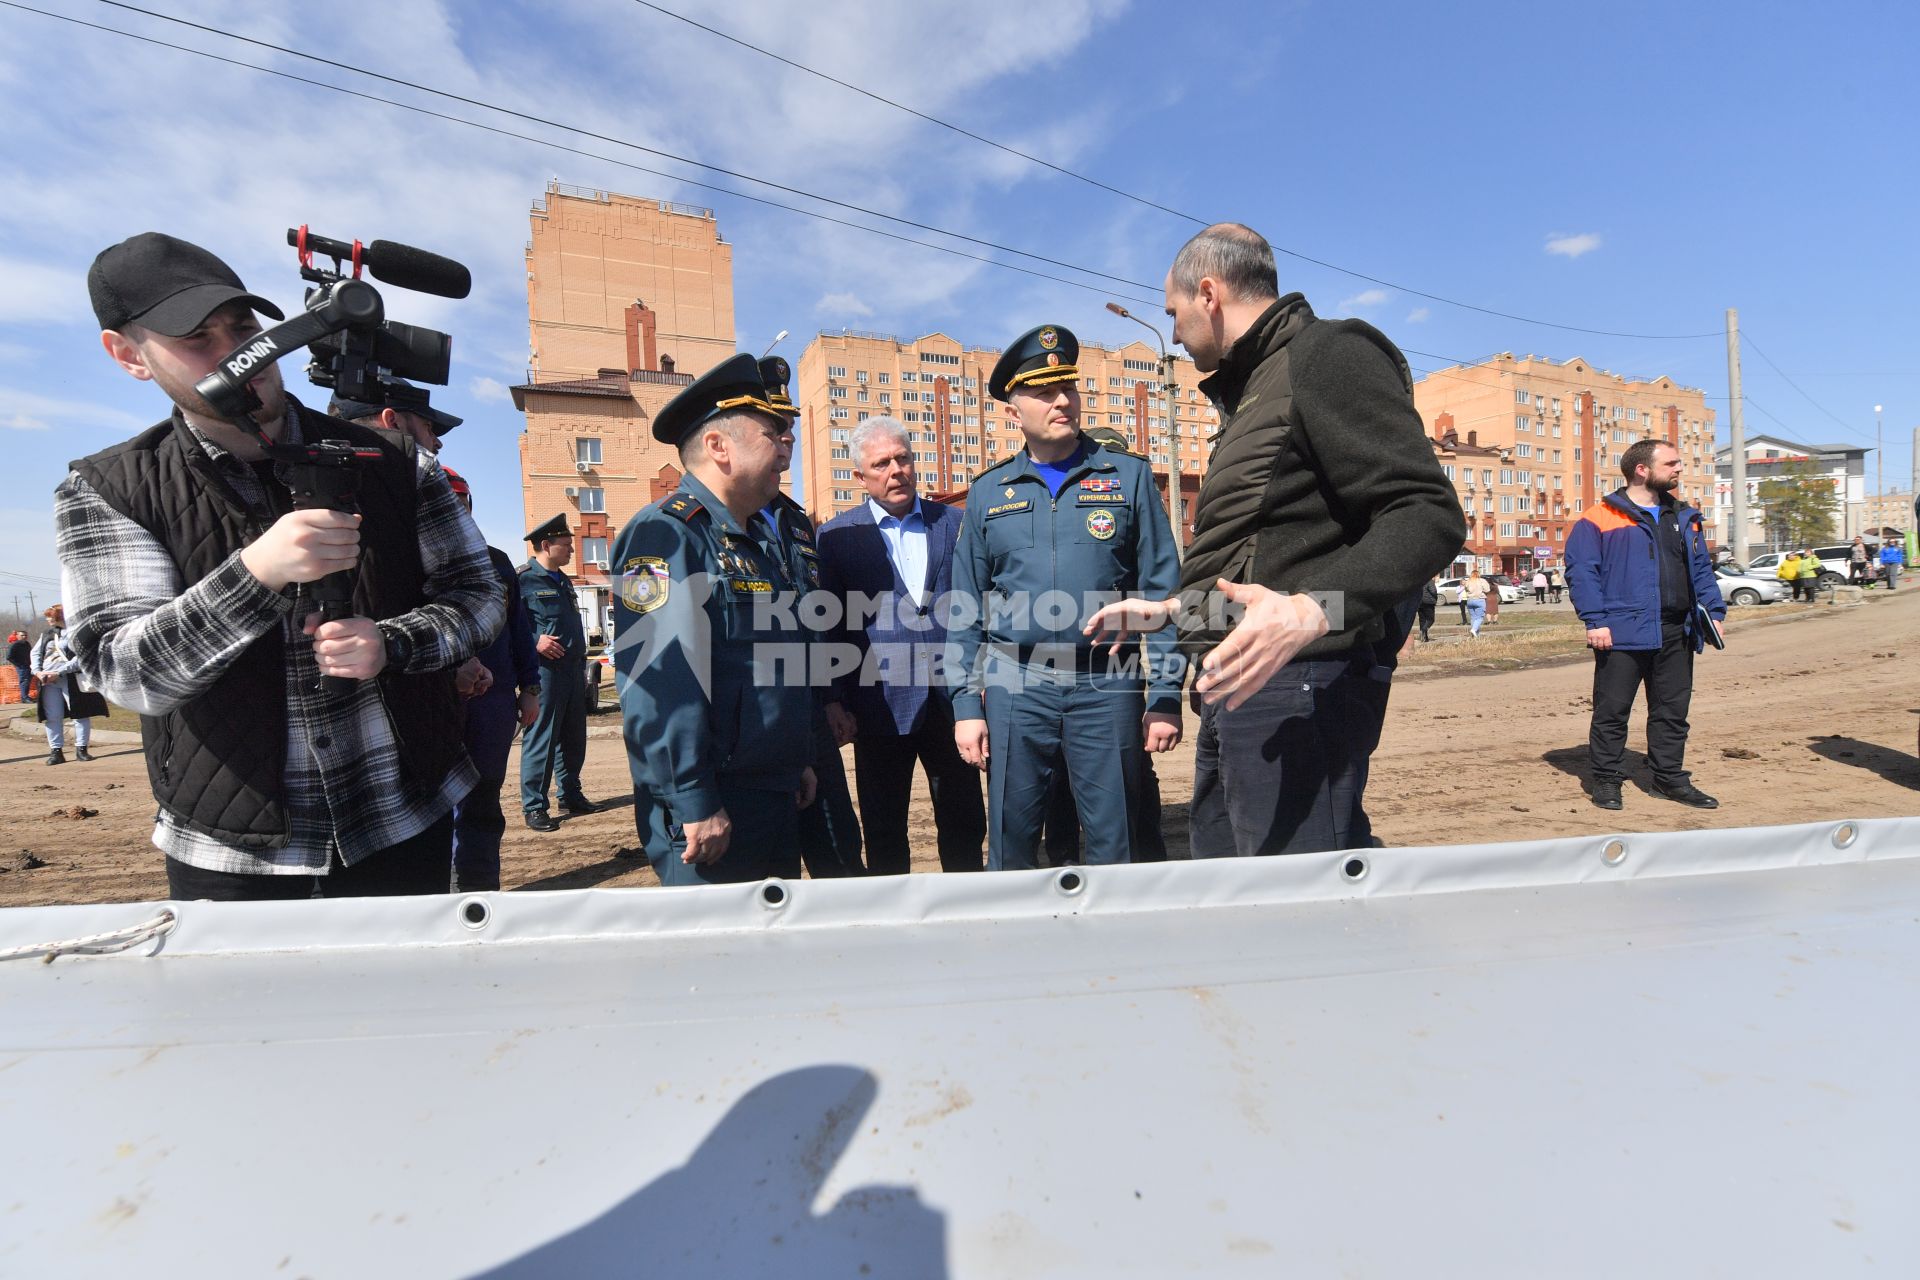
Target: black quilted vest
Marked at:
216, 763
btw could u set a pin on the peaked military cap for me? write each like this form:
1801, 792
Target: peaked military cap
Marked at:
1111, 437
1037, 358
554, 528
776, 373
395, 393
734, 383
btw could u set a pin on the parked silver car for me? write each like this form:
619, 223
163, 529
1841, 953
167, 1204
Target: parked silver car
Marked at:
1751, 588
1450, 591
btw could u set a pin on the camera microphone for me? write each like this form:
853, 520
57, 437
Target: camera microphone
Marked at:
400, 265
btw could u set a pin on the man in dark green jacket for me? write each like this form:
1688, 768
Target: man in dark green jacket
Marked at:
1323, 508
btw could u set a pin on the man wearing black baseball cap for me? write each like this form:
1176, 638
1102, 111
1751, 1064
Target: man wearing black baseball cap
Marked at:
187, 573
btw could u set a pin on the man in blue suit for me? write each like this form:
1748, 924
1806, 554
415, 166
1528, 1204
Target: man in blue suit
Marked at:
891, 560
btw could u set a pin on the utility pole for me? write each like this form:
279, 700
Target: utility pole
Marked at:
1879, 470
1736, 444
1177, 470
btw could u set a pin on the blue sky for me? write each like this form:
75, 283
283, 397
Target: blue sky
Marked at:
1627, 168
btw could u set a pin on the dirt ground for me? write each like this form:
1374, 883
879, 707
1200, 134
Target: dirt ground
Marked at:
1803, 718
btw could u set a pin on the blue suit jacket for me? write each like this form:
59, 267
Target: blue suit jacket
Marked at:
900, 643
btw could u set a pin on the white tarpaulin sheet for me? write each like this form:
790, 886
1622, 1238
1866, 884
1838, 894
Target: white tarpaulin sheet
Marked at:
1697, 1059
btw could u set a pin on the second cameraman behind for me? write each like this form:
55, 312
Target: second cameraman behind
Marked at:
183, 563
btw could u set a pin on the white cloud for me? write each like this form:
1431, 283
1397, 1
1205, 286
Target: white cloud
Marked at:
1365, 298
1572, 246
843, 304
36, 293
489, 389
1418, 314
30, 411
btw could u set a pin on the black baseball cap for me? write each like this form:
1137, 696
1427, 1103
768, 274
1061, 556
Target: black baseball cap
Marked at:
164, 284
395, 393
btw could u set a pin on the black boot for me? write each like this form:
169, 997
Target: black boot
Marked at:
56, 756
81, 753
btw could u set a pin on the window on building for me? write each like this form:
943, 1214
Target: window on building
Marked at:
908, 375
885, 378
860, 376
1524, 477
1524, 450
840, 452
936, 357
840, 435
587, 449
1522, 397
593, 551
836, 371
838, 412
1522, 422
836, 393
1486, 479
862, 416
843, 473
1556, 404
1576, 455
1525, 503
1506, 475
860, 396
1633, 415
593, 499
1556, 482
1556, 455
886, 397
1506, 504
1446, 469
843, 495
1506, 530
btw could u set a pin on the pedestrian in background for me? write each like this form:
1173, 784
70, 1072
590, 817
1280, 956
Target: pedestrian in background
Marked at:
1429, 602
1539, 586
1857, 562
1473, 600
1554, 585
1493, 601
1892, 556
553, 750
1789, 572
20, 657
1807, 573
62, 696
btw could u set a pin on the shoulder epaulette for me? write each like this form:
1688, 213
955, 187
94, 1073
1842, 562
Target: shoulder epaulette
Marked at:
995, 467
683, 507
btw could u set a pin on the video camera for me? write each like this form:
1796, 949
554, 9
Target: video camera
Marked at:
355, 350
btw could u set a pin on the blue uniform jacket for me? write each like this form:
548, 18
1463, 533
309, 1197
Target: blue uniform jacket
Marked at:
900, 642
1104, 537
555, 611
1613, 572
510, 656
697, 712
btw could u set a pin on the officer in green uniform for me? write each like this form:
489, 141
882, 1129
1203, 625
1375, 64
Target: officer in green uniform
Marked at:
554, 748
829, 828
1050, 534
717, 711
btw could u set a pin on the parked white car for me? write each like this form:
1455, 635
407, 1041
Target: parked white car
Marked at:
1450, 591
1833, 562
1749, 588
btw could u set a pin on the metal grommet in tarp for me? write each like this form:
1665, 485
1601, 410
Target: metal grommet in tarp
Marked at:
476, 913
774, 895
1071, 882
1613, 852
1844, 835
1354, 869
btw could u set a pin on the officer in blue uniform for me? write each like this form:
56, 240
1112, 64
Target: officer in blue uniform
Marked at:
1051, 533
829, 828
554, 749
714, 697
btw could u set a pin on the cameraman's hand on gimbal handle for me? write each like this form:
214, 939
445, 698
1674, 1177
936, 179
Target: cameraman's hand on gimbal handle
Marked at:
304, 546
351, 648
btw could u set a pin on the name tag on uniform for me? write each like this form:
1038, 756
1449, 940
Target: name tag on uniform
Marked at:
1008, 508
1088, 499
755, 585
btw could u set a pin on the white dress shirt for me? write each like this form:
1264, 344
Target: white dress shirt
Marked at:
906, 545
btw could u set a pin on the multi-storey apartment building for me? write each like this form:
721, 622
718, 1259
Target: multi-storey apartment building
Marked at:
1840, 468
1558, 428
936, 387
628, 299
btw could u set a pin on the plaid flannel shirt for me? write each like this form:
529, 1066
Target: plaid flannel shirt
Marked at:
151, 644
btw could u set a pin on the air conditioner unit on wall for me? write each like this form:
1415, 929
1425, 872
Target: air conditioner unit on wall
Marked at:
583, 467
573, 491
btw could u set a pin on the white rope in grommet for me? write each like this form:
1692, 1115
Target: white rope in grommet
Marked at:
97, 944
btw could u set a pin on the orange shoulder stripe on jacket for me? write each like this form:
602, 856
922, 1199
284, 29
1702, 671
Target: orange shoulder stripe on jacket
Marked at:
1605, 518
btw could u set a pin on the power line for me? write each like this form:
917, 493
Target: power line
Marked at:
1746, 339
1128, 195
921, 115
558, 146
588, 133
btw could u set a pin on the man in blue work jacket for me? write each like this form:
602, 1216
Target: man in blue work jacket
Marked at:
1050, 534
1642, 581
718, 719
554, 749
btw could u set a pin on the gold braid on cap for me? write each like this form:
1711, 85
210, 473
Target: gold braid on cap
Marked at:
1044, 375
751, 402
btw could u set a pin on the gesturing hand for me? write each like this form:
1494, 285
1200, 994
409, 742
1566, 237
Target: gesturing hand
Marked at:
349, 647
1274, 629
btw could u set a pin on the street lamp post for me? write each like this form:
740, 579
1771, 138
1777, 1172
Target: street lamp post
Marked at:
1167, 391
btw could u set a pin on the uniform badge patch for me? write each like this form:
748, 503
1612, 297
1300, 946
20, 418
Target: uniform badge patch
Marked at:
1007, 508
1101, 524
644, 583
1048, 338
1009, 491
